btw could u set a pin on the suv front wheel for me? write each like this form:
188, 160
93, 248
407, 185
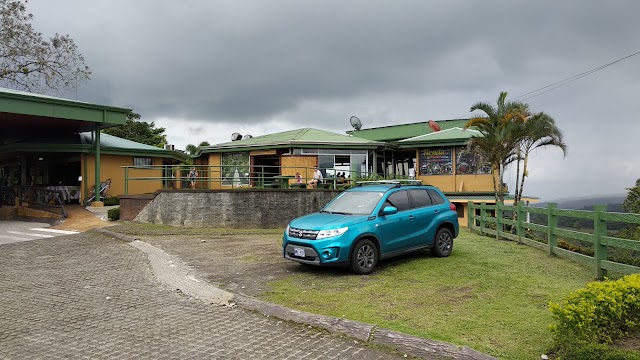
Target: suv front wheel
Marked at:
443, 243
364, 257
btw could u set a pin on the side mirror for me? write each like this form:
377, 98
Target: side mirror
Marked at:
388, 210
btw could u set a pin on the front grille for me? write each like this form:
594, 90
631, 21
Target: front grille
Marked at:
303, 234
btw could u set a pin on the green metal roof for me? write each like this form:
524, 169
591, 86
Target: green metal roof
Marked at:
83, 143
452, 196
25, 103
404, 131
300, 138
107, 140
452, 136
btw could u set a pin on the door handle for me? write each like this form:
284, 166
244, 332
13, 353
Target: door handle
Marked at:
410, 217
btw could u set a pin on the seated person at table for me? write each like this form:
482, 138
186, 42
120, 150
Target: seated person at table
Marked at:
298, 178
317, 178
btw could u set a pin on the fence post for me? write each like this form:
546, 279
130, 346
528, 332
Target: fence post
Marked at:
126, 180
470, 211
552, 223
498, 213
520, 220
599, 231
483, 215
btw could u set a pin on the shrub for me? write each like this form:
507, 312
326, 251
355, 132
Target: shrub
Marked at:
600, 313
112, 200
596, 352
114, 214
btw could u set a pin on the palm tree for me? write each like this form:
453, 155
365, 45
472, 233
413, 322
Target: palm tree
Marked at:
536, 131
499, 129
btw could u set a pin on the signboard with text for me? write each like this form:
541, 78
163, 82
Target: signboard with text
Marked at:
436, 161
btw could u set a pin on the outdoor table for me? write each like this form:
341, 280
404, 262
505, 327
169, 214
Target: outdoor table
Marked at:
284, 180
332, 180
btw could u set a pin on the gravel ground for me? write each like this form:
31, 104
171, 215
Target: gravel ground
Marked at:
241, 264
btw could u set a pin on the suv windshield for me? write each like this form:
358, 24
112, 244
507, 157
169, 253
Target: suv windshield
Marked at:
354, 203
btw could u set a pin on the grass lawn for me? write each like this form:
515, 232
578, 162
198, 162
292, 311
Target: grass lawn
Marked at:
490, 295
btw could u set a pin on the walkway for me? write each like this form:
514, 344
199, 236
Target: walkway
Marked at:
91, 296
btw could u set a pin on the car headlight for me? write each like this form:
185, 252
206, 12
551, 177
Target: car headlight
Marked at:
286, 231
331, 233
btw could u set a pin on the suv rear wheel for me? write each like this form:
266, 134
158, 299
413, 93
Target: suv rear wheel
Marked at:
364, 257
443, 243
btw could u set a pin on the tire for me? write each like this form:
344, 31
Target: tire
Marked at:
364, 257
443, 243
87, 201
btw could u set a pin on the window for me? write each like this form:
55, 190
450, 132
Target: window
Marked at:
420, 198
437, 199
142, 161
460, 210
399, 199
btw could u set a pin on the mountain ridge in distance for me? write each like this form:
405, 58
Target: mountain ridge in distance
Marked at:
579, 202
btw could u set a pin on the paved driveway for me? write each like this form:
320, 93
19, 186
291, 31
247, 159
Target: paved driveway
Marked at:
15, 231
89, 296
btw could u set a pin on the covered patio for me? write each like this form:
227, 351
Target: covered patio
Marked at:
40, 141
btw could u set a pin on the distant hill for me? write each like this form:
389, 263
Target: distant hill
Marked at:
579, 203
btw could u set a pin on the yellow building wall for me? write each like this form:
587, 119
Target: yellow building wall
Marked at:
215, 162
111, 168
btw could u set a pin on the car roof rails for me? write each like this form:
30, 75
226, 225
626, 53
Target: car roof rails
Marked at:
395, 182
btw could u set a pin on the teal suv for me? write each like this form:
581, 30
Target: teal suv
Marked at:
372, 221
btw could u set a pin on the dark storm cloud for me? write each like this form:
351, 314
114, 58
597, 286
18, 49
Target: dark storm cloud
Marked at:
234, 60
318, 62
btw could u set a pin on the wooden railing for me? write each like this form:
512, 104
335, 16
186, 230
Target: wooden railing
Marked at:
39, 197
517, 228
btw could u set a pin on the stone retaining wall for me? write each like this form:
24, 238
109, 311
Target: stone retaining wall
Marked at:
249, 209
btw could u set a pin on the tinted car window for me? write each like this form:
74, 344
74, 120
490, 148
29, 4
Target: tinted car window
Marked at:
437, 198
420, 198
357, 203
399, 199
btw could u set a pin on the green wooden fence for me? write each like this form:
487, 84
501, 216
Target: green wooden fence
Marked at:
494, 214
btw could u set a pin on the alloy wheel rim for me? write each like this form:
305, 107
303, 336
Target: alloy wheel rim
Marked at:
444, 242
366, 257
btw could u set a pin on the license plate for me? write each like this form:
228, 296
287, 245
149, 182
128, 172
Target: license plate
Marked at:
298, 252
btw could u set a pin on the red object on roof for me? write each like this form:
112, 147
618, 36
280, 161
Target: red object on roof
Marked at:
434, 126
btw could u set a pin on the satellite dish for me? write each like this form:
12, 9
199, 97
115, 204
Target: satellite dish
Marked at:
236, 136
248, 136
356, 123
434, 126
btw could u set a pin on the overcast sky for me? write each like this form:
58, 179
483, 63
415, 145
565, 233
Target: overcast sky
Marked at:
204, 69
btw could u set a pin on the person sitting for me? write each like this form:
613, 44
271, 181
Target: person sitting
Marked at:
298, 178
316, 179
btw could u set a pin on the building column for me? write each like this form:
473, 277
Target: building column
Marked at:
96, 143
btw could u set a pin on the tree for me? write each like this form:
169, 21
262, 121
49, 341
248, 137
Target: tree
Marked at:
139, 131
29, 62
536, 131
499, 139
192, 149
632, 203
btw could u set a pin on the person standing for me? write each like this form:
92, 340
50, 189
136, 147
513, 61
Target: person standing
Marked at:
193, 174
412, 173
